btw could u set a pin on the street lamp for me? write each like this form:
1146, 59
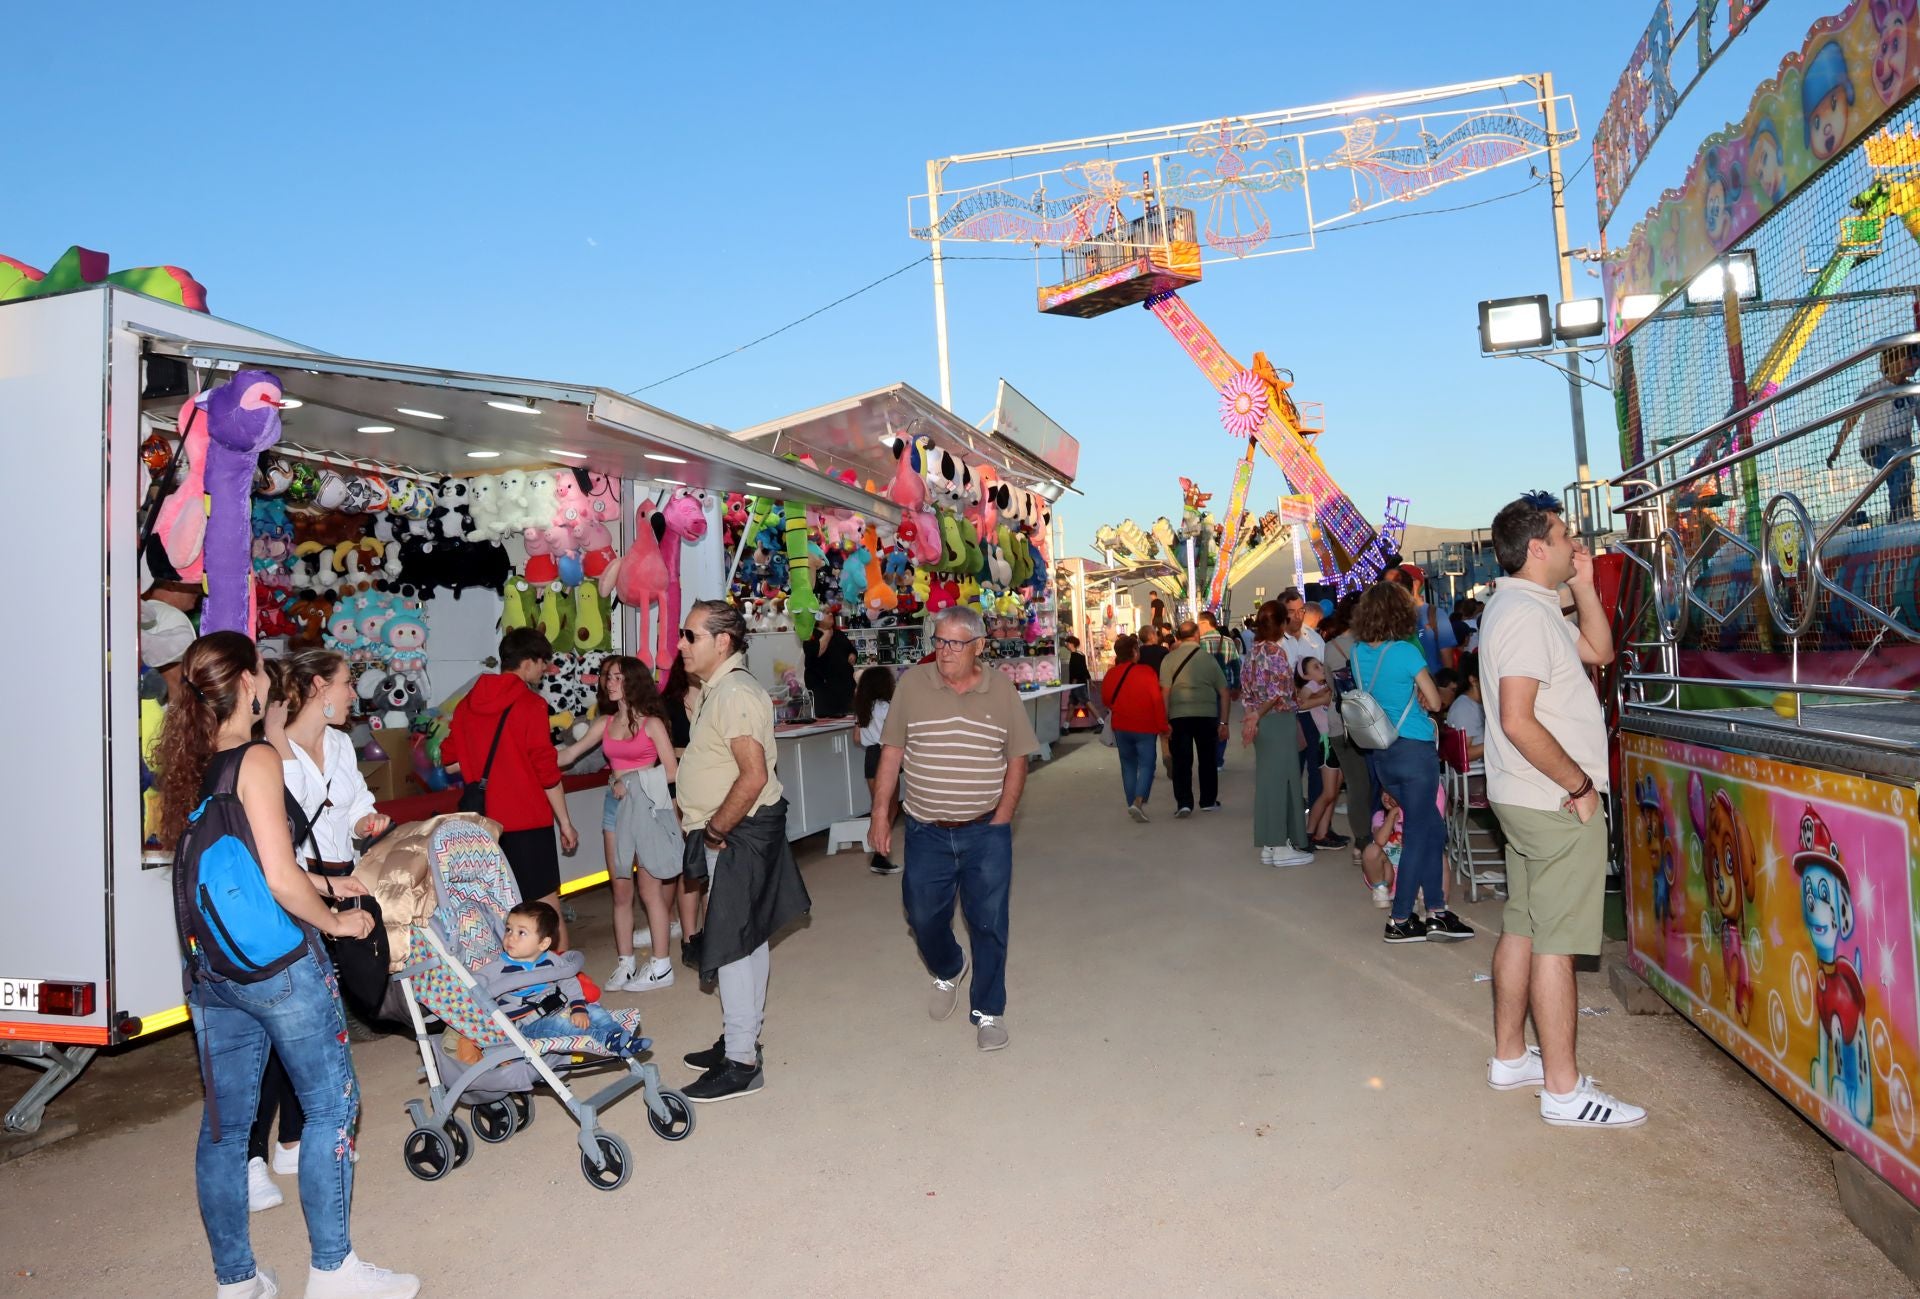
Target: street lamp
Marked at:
1509, 324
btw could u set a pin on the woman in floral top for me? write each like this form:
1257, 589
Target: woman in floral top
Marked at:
1266, 690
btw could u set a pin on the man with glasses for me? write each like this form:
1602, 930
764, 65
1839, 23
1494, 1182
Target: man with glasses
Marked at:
734, 814
958, 730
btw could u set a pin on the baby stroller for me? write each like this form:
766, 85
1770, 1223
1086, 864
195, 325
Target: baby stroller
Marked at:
475, 889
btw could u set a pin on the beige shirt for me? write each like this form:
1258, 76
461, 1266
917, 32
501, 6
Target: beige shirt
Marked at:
733, 705
1522, 634
957, 745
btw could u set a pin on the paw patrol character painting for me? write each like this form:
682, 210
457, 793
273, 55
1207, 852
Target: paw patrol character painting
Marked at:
1656, 838
1726, 862
1843, 1063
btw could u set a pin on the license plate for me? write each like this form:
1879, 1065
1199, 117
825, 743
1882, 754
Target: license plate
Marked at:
20, 995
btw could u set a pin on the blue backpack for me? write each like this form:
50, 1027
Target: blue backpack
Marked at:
222, 906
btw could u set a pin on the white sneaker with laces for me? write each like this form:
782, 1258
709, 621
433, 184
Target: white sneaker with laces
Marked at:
261, 1285
622, 976
1589, 1107
357, 1279
262, 1194
652, 977
1266, 856
1382, 898
1288, 855
286, 1159
1512, 1075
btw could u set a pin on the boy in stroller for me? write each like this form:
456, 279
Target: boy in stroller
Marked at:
557, 1008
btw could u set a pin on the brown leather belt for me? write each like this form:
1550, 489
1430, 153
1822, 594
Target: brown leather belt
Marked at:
957, 825
331, 869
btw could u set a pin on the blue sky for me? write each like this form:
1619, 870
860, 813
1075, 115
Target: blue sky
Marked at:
610, 194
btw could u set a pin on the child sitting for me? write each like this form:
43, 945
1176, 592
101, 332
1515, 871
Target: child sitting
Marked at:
558, 1008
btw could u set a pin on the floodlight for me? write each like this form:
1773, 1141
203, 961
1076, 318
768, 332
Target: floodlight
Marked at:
1709, 285
1580, 318
1510, 323
1638, 306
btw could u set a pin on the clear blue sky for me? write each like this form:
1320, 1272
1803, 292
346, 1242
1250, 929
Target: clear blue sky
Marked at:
609, 194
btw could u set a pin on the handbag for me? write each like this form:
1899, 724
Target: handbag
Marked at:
1365, 720
1107, 736
474, 797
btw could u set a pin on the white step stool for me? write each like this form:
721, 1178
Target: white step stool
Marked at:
848, 834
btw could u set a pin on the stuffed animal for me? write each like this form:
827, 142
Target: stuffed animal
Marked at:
543, 502
243, 419
942, 593
482, 509
512, 503
406, 637
683, 519
880, 598
451, 497
308, 615
802, 603
182, 522
572, 509
640, 577
541, 568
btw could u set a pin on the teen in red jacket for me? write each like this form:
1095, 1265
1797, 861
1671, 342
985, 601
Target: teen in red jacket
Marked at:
523, 786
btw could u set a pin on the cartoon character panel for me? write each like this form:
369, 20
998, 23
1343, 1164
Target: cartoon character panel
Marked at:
1775, 904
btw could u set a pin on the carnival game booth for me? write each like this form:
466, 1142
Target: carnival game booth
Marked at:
974, 526
402, 515
1764, 345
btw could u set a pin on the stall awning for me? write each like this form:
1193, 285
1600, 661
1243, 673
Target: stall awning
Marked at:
452, 422
853, 433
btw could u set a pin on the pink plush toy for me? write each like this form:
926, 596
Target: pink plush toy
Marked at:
541, 567
243, 419
182, 523
684, 521
639, 578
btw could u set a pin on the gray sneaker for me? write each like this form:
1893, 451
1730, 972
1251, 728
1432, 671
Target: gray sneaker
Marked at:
946, 995
993, 1034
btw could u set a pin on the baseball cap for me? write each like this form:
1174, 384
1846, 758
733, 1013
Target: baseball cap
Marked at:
165, 633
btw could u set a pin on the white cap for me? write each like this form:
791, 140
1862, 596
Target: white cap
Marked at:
165, 633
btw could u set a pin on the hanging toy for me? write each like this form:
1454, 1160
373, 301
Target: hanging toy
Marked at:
802, 603
243, 419
590, 631
182, 522
552, 620
880, 597
640, 578
683, 519
519, 610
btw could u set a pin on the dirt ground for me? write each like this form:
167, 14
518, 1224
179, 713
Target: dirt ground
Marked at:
1221, 1082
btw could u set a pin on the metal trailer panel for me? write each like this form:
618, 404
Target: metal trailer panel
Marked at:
54, 870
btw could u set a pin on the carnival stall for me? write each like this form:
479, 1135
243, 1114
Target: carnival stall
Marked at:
402, 515
1763, 341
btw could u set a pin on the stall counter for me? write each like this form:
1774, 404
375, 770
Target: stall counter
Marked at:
1043, 710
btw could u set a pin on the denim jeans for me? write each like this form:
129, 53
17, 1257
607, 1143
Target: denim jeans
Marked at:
1137, 759
1410, 771
974, 863
1899, 482
297, 1013
560, 1024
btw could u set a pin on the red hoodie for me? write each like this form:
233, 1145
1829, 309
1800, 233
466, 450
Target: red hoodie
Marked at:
526, 765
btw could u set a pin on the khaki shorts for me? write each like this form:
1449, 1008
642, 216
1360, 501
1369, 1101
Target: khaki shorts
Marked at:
1556, 879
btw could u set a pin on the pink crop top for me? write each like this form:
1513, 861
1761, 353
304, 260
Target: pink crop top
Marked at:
629, 755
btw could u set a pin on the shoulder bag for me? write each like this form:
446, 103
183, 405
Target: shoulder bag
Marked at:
1106, 727
474, 797
1361, 713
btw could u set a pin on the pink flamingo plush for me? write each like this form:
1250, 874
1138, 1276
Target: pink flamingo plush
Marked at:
182, 523
639, 580
683, 521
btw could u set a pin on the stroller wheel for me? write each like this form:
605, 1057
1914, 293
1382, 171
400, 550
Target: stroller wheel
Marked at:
462, 1146
427, 1154
522, 1110
679, 1121
495, 1121
613, 1175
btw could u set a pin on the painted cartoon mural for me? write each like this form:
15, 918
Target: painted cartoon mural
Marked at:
1775, 904
1852, 69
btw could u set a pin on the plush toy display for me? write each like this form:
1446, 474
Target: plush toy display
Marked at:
182, 521
243, 419
640, 579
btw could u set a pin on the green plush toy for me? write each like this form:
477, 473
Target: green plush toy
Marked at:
519, 610
802, 603
953, 547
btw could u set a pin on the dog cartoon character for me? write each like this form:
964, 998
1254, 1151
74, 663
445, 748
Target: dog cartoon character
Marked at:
1843, 1065
1727, 859
1656, 836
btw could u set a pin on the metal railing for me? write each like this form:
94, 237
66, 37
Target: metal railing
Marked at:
1127, 242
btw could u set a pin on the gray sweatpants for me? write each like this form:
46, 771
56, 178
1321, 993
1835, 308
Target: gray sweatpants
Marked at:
743, 994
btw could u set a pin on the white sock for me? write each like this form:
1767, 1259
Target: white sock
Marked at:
1562, 1099
661, 965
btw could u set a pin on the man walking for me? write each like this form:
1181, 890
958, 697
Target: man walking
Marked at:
1152, 653
1226, 652
499, 738
1546, 758
1197, 710
959, 732
735, 817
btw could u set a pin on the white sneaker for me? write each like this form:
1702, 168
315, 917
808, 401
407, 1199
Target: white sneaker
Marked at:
1512, 1075
1266, 856
261, 1285
262, 1194
358, 1279
622, 977
286, 1159
1288, 855
650, 978
1382, 898
1589, 1107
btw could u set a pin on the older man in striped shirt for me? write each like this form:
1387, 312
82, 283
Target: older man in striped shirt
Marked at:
958, 730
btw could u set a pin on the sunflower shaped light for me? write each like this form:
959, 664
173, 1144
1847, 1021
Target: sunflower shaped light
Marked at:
1243, 404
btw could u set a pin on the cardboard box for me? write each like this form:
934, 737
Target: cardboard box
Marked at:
394, 777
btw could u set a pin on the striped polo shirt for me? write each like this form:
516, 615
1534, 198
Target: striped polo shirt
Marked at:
957, 744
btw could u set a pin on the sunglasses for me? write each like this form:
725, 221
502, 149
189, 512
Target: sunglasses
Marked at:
689, 635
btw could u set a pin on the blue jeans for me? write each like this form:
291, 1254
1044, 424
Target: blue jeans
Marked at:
297, 1013
1899, 482
1137, 759
974, 863
560, 1024
1410, 771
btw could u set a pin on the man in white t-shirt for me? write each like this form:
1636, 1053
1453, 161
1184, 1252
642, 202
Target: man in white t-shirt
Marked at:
1546, 758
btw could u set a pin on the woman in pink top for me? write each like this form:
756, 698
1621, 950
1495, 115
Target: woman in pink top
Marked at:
639, 823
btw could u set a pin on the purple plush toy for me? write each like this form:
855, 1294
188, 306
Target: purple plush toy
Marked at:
243, 419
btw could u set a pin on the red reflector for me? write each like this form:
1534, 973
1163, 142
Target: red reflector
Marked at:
66, 999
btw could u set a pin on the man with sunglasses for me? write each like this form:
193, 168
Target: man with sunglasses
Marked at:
734, 814
958, 732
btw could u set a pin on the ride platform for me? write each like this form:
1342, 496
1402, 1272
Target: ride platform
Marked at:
1125, 264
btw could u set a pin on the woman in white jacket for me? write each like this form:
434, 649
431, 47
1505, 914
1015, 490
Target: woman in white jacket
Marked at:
311, 699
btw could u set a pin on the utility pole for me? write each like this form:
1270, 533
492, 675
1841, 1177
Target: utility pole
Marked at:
934, 170
1555, 183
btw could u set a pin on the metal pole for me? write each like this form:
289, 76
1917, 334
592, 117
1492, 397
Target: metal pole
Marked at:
1556, 183
934, 169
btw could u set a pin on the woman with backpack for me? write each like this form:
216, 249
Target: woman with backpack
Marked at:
258, 978
1137, 716
1390, 669
1271, 726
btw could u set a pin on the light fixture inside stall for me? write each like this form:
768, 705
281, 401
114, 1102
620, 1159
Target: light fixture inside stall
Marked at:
374, 428
418, 414
516, 407
571, 455
665, 459
483, 455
